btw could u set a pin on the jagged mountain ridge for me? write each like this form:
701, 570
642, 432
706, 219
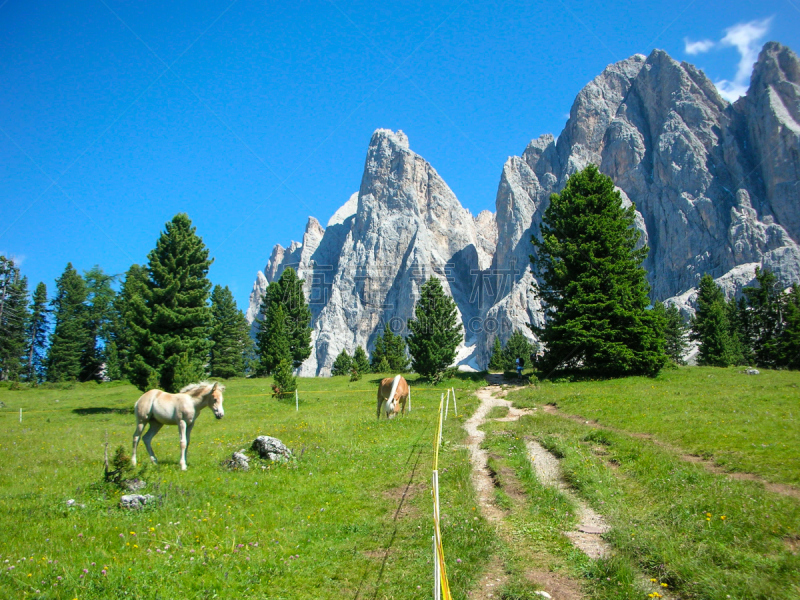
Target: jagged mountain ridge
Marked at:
716, 187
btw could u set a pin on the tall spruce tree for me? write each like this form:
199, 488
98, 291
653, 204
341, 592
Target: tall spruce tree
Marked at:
735, 332
36, 338
676, 332
788, 351
711, 326
517, 346
229, 333
389, 353
288, 293
99, 322
593, 285
764, 309
13, 319
272, 339
435, 332
127, 304
70, 336
171, 320
360, 361
497, 360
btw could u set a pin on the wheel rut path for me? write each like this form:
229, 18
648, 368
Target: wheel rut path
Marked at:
556, 586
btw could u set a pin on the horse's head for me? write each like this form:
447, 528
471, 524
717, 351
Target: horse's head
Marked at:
214, 399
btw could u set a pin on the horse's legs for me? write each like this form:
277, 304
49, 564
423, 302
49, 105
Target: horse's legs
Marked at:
154, 428
136, 435
189, 427
182, 430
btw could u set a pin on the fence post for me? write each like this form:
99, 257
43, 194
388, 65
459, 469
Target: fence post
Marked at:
455, 405
435, 570
409, 398
296, 402
20, 415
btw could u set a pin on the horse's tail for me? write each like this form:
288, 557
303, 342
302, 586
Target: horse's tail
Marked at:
395, 383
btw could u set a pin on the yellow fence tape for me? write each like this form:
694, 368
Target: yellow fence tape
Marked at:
440, 578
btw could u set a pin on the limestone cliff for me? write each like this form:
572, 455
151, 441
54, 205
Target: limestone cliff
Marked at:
716, 187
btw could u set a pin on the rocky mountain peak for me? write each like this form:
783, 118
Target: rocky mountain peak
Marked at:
776, 65
716, 189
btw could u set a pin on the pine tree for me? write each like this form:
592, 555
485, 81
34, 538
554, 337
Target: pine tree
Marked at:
676, 333
735, 332
288, 293
128, 305
391, 349
170, 323
497, 360
745, 327
517, 346
298, 316
70, 336
788, 351
360, 361
273, 338
284, 381
99, 318
113, 368
710, 326
593, 285
230, 334
342, 364
764, 308
36, 337
435, 332
13, 319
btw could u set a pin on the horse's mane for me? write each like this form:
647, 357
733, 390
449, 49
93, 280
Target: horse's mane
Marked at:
394, 388
200, 388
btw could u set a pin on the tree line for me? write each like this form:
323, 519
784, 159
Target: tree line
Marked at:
165, 327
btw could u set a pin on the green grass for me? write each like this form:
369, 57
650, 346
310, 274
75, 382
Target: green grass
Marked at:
317, 528
748, 423
321, 527
703, 534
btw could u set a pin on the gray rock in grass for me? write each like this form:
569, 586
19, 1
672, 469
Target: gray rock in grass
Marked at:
239, 461
271, 448
135, 501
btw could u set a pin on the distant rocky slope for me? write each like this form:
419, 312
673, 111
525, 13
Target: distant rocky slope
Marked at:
716, 187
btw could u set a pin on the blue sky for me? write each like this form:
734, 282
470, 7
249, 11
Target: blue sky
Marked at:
251, 116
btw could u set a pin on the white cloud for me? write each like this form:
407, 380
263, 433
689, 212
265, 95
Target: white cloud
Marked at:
697, 47
746, 38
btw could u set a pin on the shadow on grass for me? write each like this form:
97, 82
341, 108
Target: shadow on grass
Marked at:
102, 410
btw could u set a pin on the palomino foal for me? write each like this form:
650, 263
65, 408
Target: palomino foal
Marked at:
393, 393
162, 408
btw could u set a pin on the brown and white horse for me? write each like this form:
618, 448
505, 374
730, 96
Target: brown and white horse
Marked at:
393, 393
162, 408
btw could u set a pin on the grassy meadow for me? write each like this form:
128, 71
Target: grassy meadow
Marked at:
351, 516
693, 532
332, 524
